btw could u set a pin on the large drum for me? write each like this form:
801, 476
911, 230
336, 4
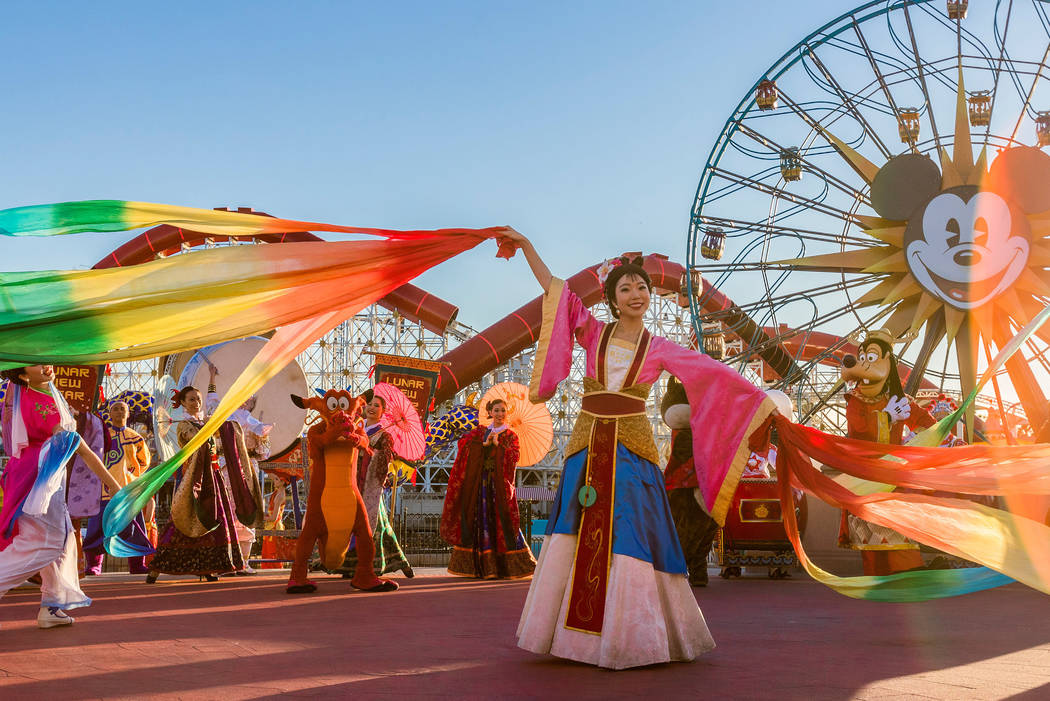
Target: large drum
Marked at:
272, 406
754, 534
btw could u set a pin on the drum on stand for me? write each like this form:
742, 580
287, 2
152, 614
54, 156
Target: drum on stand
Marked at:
272, 404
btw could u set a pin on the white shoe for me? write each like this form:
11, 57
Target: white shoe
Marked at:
52, 616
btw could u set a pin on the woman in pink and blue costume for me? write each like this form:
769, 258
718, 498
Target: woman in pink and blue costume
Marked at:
611, 586
36, 535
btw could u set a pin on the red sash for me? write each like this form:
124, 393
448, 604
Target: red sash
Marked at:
590, 577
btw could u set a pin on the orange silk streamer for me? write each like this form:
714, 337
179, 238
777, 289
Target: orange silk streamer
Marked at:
1006, 543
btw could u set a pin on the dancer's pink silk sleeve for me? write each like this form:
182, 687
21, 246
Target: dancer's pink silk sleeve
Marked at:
725, 411
565, 318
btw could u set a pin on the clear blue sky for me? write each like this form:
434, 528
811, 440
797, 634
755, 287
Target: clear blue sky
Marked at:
585, 125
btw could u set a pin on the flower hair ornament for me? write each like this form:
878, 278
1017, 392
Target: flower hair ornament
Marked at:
605, 268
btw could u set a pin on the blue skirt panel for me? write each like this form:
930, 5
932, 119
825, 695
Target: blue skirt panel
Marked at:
642, 523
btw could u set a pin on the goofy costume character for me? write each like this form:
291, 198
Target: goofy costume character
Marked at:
878, 410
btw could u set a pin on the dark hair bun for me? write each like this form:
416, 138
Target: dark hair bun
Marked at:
14, 375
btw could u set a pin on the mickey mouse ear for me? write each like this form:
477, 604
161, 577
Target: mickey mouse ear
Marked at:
902, 185
1021, 174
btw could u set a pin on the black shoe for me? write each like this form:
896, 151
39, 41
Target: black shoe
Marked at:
211, 578
151, 578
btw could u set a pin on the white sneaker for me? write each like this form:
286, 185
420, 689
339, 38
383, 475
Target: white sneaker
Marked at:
51, 616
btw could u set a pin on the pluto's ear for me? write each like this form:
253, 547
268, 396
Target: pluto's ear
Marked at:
1020, 175
903, 184
297, 400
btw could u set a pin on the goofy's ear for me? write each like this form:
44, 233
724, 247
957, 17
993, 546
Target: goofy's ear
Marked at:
297, 400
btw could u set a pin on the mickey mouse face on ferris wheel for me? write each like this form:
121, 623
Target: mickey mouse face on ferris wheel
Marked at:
965, 244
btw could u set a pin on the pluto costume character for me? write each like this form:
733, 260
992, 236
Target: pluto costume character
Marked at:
878, 410
334, 508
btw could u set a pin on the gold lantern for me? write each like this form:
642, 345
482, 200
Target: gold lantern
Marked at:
957, 9
766, 95
1042, 128
980, 103
790, 164
714, 243
714, 340
908, 124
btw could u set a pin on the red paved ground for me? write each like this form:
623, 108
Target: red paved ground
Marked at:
443, 637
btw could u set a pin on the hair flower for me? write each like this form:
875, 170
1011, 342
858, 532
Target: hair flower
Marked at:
605, 268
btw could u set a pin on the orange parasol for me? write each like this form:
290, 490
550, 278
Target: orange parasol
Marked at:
532, 422
401, 421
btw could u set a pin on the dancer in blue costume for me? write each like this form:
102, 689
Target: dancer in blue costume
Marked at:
610, 586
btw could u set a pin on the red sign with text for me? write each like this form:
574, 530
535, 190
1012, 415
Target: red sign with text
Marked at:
79, 385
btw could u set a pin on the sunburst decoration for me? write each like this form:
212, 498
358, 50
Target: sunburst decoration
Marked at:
962, 246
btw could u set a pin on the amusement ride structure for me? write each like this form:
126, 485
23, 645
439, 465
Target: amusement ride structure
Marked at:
885, 172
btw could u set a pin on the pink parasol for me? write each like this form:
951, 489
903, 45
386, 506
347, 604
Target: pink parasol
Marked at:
401, 421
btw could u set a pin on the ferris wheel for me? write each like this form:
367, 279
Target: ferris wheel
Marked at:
887, 172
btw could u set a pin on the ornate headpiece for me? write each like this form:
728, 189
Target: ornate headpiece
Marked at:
605, 268
608, 266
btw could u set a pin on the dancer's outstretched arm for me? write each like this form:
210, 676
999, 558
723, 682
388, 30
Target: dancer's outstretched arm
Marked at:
539, 268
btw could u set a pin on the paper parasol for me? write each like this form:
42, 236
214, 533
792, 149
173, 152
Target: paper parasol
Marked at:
532, 422
401, 421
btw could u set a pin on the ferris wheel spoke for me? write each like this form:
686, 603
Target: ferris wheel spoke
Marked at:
766, 189
733, 187
922, 76
802, 159
874, 66
752, 308
774, 230
860, 165
847, 99
1031, 91
995, 78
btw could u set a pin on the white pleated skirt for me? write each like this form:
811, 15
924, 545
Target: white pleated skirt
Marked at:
651, 617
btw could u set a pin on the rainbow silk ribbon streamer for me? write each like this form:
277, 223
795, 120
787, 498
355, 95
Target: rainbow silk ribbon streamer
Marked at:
188, 301
1008, 546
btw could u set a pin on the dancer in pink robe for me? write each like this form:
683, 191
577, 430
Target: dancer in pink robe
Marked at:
610, 586
36, 534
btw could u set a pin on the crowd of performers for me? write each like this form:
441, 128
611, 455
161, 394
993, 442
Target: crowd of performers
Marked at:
625, 541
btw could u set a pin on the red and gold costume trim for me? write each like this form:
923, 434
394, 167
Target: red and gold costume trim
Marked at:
590, 578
